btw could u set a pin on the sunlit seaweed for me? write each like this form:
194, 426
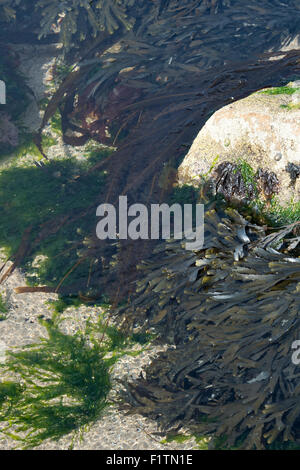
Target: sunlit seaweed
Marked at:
60, 385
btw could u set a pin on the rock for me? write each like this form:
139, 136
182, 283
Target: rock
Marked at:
296, 97
295, 84
3, 349
8, 131
262, 129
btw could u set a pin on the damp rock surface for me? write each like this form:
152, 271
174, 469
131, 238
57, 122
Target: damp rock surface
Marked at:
262, 129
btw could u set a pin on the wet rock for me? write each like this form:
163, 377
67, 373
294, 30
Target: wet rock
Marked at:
296, 98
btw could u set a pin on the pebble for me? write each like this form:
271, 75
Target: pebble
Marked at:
278, 156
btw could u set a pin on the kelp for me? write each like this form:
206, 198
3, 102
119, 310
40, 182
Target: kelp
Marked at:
77, 21
153, 87
158, 138
232, 311
149, 90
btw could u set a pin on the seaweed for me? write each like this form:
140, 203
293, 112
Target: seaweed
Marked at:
63, 386
148, 91
237, 182
294, 172
3, 309
284, 90
233, 182
8, 10
268, 183
59, 385
231, 310
78, 21
35, 196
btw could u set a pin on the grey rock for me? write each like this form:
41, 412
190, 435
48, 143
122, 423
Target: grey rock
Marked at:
259, 129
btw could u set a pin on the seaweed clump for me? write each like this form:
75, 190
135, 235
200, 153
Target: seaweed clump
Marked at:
238, 183
294, 172
232, 310
231, 183
268, 183
54, 387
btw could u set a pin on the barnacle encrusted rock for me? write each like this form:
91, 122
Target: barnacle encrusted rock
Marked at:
262, 129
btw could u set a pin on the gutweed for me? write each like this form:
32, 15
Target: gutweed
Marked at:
59, 385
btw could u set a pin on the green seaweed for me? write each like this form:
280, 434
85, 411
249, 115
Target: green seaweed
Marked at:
201, 441
290, 106
185, 194
65, 383
27, 147
31, 195
278, 215
59, 385
247, 171
3, 309
120, 340
179, 438
282, 90
63, 302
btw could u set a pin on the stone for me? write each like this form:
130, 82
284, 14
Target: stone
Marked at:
296, 97
262, 130
3, 349
8, 131
295, 84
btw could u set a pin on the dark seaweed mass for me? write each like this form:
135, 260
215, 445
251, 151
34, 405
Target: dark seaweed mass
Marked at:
268, 182
294, 171
235, 186
231, 184
233, 311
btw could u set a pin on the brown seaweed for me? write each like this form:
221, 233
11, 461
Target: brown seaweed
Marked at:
232, 310
230, 183
268, 182
294, 172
